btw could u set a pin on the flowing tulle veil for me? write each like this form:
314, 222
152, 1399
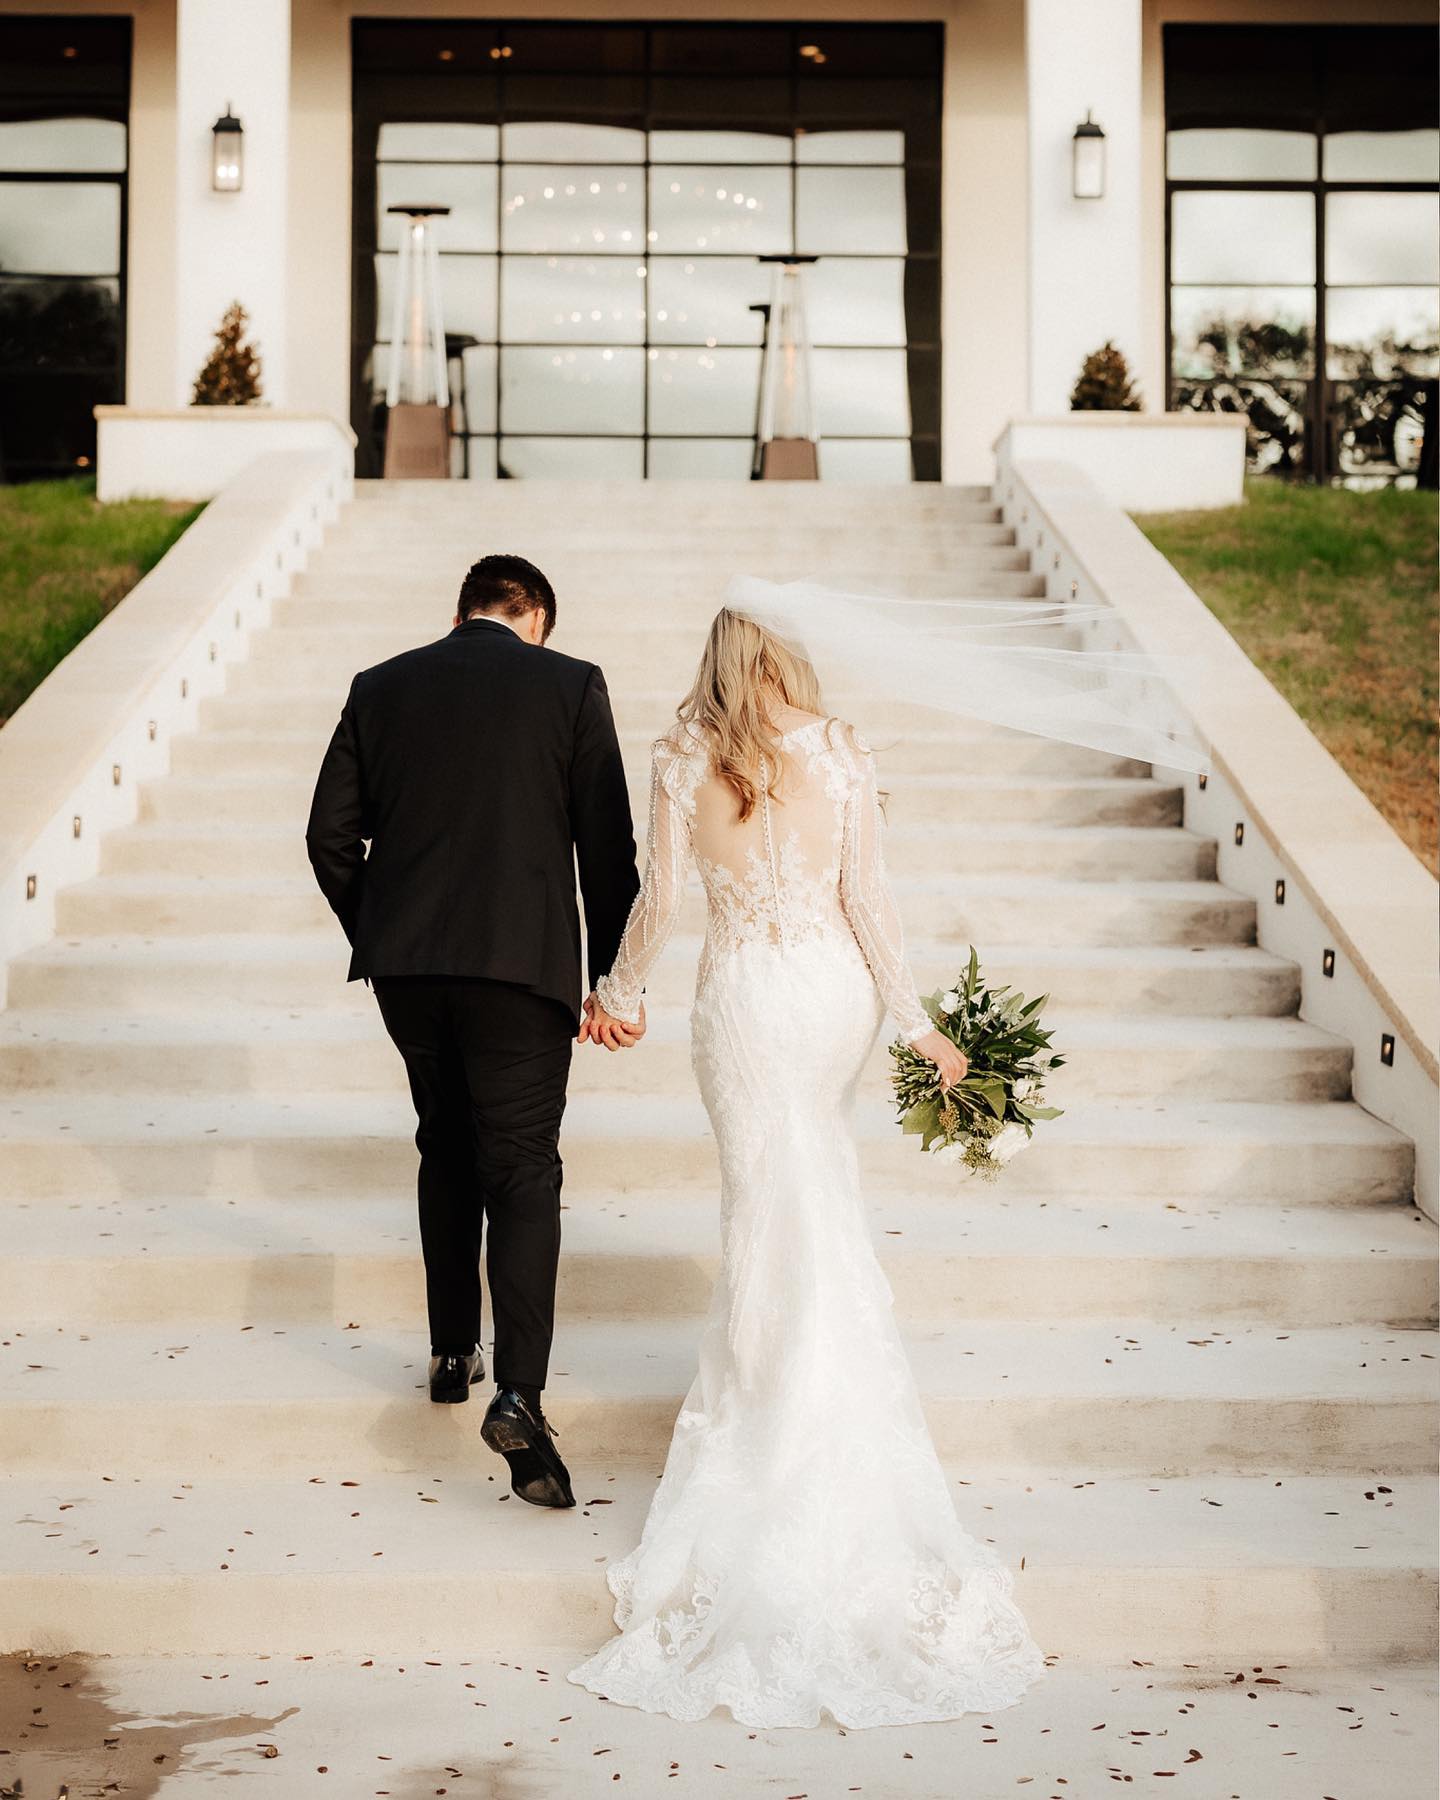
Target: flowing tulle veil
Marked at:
1005, 662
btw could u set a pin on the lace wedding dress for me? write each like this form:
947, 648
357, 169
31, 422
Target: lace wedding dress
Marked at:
802, 1551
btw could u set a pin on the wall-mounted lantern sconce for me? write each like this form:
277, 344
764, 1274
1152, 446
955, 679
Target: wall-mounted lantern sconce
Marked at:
227, 157
1087, 161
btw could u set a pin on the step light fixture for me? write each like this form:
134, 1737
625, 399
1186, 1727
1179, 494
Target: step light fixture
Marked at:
1087, 161
227, 153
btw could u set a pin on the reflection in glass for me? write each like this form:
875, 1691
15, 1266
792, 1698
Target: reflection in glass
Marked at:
1242, 239
91, 146
860, 393
1232, 331
1379, 427
850, 209
1377, 239
573, 207
477, 387
693, 208
59, 324
567, 143
572, 299
1275, 411
432, 143
69, 231
856, 300
1382, 332
700, 459
706, 299
704, 392
573, 458
467, 293
1382, 156
718, 147
883, 461
850, 147
1241, 155
468, 192
565, 390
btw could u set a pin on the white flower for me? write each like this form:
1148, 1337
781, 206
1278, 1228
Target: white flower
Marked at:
1007, 1142
946, 1153
950, 1002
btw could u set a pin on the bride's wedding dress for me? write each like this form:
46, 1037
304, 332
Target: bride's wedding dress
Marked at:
802, 1551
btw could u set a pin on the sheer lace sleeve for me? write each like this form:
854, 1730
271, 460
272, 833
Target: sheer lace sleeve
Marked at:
869, 904
657, 905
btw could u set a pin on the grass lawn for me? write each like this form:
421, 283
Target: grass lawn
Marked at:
64, 562
1333, 595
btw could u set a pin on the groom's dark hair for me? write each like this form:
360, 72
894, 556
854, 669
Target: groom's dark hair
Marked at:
507, 585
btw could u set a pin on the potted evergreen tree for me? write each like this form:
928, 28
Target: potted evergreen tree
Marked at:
231, 375
1105, 384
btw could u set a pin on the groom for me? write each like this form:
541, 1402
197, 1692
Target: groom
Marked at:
482, 769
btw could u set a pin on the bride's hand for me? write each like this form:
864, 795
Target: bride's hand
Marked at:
599, 1027
951, 1062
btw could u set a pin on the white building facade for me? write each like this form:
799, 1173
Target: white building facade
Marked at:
1265, 238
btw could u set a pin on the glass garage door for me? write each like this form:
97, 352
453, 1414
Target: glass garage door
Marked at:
610, 190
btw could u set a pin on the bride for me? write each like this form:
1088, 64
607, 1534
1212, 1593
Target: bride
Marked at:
802, 1553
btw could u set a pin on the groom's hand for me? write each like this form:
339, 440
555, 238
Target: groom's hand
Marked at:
598, 1027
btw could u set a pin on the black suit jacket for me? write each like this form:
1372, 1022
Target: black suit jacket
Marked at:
481, 768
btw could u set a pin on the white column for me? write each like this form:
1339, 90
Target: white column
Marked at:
1085, 255
231, 246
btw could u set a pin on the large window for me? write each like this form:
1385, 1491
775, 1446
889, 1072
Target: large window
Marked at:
610, 190
64, 100
1304, 241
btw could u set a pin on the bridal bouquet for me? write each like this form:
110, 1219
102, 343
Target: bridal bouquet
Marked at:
991, 1115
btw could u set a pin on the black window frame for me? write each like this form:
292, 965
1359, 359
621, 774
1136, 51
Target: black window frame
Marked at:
1315, 104
39, 79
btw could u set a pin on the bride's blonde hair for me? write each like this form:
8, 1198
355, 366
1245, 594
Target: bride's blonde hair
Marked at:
743, 671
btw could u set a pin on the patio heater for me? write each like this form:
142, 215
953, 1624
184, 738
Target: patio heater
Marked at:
417, 399
786, 445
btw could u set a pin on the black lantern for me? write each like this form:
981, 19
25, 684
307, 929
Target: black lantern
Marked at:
1087, 161
227, 157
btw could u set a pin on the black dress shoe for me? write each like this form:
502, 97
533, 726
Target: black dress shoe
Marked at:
451, 1377
525, 1438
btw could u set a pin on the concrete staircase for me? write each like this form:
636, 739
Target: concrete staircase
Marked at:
1179, 1360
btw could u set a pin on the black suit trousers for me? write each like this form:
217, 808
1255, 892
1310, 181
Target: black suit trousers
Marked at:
488, 1064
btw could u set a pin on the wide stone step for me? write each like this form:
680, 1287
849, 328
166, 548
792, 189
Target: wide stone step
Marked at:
950, 799
960, 1254
897, 730
114, 1146
1078, 853
296, 753
1125, 1397
1291, 1731
983, 909
601, 542
166, 975
649, 651
687, 583
687, 499
377, 590
629, 530
1207, 1569
1109, 1056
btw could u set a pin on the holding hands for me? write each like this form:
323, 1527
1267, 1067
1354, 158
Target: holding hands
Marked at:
599, 1027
